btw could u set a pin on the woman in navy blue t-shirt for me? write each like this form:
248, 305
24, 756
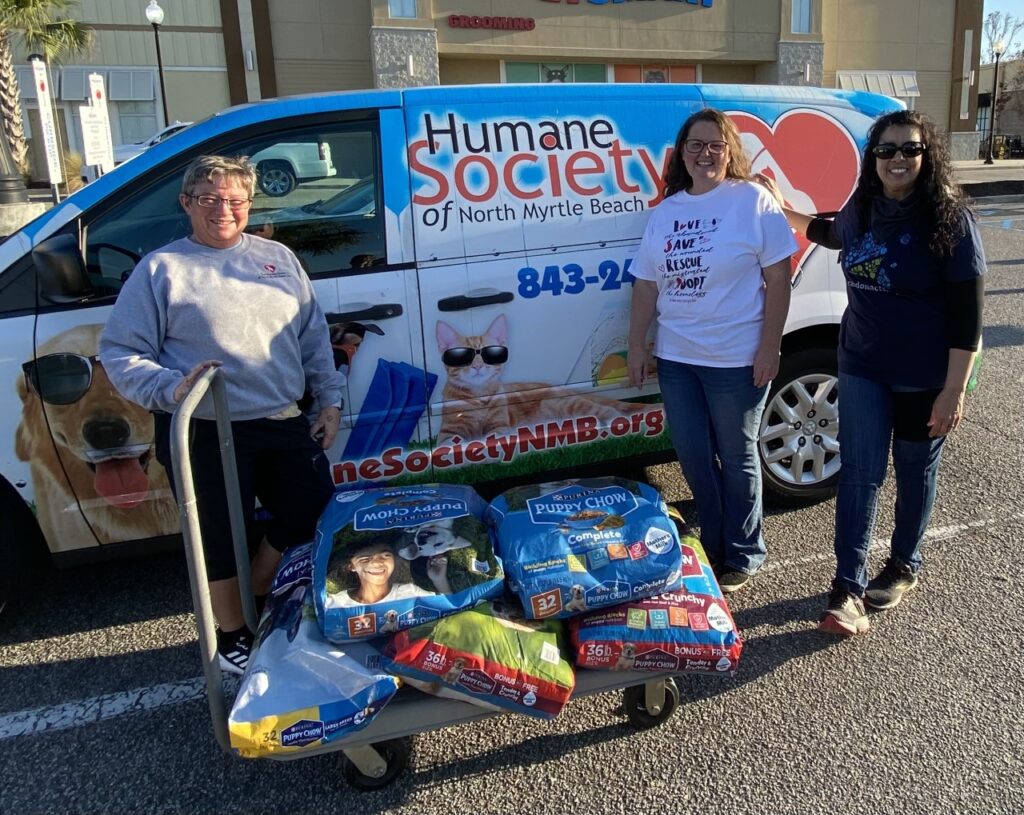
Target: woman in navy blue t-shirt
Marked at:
913, 264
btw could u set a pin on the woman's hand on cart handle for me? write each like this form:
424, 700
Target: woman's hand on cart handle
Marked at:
190, 378
324, 429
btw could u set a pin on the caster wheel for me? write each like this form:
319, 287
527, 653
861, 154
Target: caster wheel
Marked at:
395, 752
635, 702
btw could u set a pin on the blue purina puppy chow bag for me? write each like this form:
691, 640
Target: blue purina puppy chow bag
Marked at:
397, 557
572, 546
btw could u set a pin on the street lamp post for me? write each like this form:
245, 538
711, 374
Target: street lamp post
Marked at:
155, 15
997, 48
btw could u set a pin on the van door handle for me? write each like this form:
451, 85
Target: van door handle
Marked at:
462, 302
385, 311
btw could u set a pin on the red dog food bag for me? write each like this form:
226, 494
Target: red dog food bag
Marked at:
686, 630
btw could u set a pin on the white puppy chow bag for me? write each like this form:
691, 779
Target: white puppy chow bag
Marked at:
392, 558
300, 691
572, 546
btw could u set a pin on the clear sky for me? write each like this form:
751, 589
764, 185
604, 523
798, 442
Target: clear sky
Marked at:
1015, 8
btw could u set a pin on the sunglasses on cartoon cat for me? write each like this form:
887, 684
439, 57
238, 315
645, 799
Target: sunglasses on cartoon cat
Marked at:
909, 149
462, 356
60, 379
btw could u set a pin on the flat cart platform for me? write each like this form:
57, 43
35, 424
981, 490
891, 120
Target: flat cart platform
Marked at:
376, 755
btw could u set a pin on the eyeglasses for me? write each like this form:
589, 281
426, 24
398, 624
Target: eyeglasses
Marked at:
462, 356
715, 148
214, 201
909, 149
60, 379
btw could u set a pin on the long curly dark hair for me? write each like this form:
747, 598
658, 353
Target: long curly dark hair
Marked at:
678, 178
944, 205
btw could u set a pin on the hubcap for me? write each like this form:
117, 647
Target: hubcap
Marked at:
799, 435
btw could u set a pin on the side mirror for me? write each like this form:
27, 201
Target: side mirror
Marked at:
60, 271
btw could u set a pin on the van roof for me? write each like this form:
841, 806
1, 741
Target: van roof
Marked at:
285, 108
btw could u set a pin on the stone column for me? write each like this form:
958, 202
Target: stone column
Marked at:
794, 57
395, 50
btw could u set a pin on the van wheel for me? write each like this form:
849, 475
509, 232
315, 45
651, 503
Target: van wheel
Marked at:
276, 178
798, 442
21, 546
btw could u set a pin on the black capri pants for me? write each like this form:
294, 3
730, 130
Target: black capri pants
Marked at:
277, 462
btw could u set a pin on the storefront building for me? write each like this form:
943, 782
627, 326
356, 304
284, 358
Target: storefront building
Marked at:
232, 51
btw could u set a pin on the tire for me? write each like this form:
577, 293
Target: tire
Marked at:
634, 701
21, 546
276, 178
395, 752
798, 441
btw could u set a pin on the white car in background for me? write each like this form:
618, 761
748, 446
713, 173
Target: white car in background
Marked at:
123, 152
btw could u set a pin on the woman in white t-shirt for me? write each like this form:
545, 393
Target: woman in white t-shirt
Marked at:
714, 268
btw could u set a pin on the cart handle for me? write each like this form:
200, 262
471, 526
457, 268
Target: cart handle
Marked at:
211, 379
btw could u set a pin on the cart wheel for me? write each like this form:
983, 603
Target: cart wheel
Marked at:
395, 753
635, 702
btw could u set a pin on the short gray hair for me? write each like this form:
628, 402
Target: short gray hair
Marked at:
207, 168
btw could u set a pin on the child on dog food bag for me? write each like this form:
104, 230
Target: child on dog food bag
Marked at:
686, 630
573, 546
491, 656
391, 558
299, 691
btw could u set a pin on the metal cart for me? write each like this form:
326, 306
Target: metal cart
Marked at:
376, 755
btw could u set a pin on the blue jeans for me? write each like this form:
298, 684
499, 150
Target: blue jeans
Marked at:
713, 417
865, 431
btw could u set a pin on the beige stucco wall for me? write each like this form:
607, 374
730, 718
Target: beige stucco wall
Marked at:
321, 45
469, 71
883, 35
194, 95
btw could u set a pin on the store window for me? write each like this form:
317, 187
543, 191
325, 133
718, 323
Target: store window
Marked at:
801, 16
555, 72
137, 120
402, 9
656, 73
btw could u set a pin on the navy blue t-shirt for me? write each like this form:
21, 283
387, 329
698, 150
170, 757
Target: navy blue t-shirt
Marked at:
895, 327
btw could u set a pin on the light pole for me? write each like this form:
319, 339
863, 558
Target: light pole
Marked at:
155, 15
997, 48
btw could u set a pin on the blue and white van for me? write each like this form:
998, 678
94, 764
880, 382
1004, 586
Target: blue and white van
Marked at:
511, 212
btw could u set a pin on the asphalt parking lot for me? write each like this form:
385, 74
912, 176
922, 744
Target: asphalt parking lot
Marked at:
101, 705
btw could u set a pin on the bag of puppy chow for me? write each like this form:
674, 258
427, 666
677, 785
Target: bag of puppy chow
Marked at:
392, 558
686, 630
490, 655
573, 546
300, 691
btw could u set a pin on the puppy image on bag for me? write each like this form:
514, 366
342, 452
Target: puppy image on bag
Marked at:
453, 673
390, 624
577, 599
627, 658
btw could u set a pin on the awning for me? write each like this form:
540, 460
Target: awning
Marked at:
901, 84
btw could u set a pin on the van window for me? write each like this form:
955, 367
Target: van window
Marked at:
318, 192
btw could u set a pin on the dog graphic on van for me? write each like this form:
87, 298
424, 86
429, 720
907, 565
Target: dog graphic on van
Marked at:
92, 449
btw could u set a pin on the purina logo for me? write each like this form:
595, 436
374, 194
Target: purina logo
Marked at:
304, 732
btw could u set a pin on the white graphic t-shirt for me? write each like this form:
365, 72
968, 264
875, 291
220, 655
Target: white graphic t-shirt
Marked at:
706, 253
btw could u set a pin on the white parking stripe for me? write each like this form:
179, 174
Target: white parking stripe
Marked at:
99, 708
938, 533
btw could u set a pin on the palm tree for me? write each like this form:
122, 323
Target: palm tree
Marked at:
43, 26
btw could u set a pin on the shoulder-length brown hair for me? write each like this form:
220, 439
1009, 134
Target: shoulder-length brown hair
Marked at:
676, 176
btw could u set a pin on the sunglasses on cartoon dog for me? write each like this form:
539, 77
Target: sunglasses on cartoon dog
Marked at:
60, 379
462, 356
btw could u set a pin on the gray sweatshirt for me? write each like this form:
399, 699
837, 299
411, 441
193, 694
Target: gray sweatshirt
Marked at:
252, 307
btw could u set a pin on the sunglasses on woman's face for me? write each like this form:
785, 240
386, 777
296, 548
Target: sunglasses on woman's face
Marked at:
60, 379
461, 357
909, 149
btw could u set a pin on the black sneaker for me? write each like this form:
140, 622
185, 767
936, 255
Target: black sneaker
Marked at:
886, 590
845, 614
233, 650
732, 580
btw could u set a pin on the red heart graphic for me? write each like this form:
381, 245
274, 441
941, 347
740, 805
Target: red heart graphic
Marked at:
816, 157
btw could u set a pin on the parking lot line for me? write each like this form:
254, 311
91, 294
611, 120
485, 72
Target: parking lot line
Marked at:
81, 712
